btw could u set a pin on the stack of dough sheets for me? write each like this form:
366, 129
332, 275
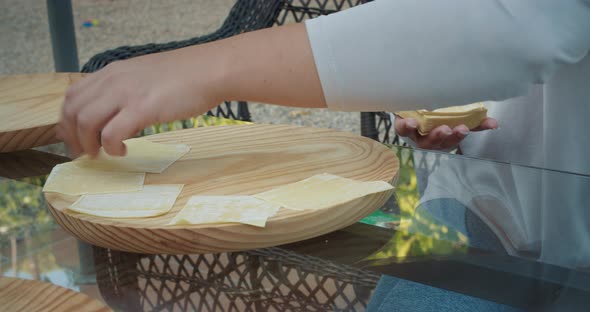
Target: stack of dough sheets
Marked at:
142, 156
469, 115
114, 186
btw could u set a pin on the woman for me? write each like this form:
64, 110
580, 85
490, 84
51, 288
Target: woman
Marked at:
386, 55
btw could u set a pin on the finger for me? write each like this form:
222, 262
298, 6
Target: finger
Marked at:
405, 126
125, 124
435, 138
60, 135
73, 102
91, 120
460, 131
487, 124
67, 131
81, 97
73, 148
453, 140
450, 142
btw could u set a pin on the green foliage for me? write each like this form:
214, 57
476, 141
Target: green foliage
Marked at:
195, 122
418, 234
22, 205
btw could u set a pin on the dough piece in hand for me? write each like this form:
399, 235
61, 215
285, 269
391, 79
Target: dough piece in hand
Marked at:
226, 209
142, 156
152, 200
321, 191
71, 179
469, 115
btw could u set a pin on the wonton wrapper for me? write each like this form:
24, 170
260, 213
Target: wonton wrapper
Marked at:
321, 191
152, 200
142, 156
71, 179
226, 209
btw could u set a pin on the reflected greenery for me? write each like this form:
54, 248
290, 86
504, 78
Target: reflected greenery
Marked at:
23, 214
22, 206
195, 122
418, 234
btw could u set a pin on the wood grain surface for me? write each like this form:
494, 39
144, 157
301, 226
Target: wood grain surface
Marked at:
28, 295
30, 107
243, 160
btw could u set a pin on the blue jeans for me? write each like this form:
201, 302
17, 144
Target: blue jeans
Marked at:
394, 294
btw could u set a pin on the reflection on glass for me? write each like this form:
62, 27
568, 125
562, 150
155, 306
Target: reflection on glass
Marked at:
538, 214
418, 234
24, 252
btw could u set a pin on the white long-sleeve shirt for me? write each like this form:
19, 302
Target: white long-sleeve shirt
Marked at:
527, 59
391, 55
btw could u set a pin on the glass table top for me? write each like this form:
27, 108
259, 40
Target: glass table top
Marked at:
457, 227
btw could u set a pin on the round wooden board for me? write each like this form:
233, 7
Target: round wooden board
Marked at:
28, 295
29, 108
243, 160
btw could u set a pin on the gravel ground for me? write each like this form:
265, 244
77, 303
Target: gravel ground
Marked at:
25, 43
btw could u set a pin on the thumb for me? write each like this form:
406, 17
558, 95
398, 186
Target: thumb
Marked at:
487, 124
405, 126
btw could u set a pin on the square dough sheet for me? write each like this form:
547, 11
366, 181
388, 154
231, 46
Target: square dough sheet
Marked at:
71, 179
321, 191
142, 156
226, 209
152, 200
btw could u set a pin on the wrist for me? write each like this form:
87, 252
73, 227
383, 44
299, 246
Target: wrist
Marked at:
206, 70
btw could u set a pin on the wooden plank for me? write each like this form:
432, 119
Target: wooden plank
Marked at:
30, 106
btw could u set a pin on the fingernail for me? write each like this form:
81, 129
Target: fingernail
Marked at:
412, 124
447, 132
464, 132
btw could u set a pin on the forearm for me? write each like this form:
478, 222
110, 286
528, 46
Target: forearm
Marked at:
273, 65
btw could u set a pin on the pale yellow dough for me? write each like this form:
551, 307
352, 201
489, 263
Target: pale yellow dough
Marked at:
152, 200
226, 209
321, 191
142, 156
71, 179
470, 115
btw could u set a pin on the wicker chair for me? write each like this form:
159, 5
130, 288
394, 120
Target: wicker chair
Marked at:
249, 15
269, 279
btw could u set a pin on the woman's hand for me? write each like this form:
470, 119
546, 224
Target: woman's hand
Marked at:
273, 65
120, 100
440, 138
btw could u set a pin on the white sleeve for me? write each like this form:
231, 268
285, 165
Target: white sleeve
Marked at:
390, 55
